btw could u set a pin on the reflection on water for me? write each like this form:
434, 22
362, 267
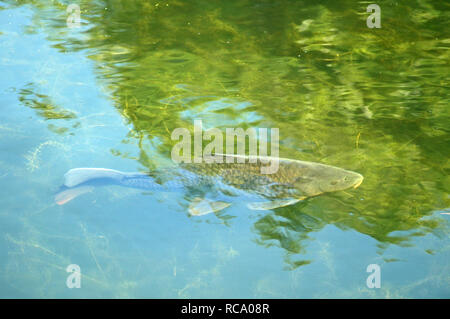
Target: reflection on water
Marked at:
109, 94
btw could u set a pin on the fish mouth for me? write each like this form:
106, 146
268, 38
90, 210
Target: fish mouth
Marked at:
359, 182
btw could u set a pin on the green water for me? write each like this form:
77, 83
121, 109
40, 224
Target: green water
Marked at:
109, 94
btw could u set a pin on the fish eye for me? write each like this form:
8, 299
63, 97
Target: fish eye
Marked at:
345, 178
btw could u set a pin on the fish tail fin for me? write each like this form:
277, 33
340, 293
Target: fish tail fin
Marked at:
77, 176
66, 195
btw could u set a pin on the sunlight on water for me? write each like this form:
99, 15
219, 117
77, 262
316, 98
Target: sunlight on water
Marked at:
109, 94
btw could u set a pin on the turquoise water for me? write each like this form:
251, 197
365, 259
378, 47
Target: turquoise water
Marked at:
109, 93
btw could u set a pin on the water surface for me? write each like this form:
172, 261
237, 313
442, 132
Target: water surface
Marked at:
109, 93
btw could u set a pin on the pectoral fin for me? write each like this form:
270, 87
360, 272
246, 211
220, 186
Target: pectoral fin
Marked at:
202, 206
273, 204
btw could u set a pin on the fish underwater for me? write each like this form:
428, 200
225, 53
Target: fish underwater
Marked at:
212, 187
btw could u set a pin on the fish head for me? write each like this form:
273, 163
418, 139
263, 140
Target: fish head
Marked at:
319, 178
